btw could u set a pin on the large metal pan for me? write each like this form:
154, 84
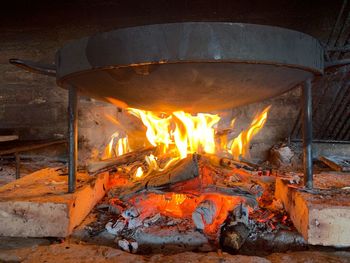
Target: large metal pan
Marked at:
194, 67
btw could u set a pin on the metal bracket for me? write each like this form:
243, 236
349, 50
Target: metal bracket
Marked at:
34, 67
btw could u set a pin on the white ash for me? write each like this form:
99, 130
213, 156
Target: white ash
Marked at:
130, 213
174, 221
204, 214
293, 178
115, 228
128, 246
152, 220
241, 214
134, 223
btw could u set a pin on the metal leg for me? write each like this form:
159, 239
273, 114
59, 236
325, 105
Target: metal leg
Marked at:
307, 133
18, 164
73, 138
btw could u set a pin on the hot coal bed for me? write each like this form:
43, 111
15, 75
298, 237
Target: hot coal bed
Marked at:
185, 181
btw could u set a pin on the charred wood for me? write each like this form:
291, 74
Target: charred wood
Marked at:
233, 237
233, 191
264, 243
185, 169
105, 165
228, 163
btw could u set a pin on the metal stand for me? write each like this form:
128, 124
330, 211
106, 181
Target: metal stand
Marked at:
18, 165
307, 133
73, 138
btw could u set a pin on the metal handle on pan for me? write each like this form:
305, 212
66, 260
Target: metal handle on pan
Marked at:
34, 67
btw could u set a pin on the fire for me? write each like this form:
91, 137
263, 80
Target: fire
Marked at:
175, 136
179, 134
116, 146
240, 144
179, 131
186, 206
194, 133
157, 128
139, 172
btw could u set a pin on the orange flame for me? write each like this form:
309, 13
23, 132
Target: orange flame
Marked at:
157, 128
180, 133
116, 147
180, 130
240, 145
139, 172
196, 134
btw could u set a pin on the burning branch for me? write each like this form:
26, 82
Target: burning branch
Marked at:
108, 164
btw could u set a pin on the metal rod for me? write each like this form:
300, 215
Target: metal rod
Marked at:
18, 165
307, 134
323, 141
73, 138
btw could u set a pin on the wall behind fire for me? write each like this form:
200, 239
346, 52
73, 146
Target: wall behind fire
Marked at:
35, 108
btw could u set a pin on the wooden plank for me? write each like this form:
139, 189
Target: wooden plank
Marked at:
337, 163
38, 205
6, 138
322, 216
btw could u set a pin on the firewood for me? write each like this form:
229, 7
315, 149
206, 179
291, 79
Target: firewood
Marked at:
105, 165
184, 170
176, 178
233, 191
233, 237
227, 162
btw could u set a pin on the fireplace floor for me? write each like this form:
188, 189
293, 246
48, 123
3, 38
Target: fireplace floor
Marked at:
50, 185
321, 215
71, 252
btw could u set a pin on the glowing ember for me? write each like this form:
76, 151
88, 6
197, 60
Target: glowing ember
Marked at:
184, 206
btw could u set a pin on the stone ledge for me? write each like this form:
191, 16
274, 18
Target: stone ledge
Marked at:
322, 219
38, 205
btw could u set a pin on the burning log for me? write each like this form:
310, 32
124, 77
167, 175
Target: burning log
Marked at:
233, 191
105, 165
184, 170
171, 239
227, 162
